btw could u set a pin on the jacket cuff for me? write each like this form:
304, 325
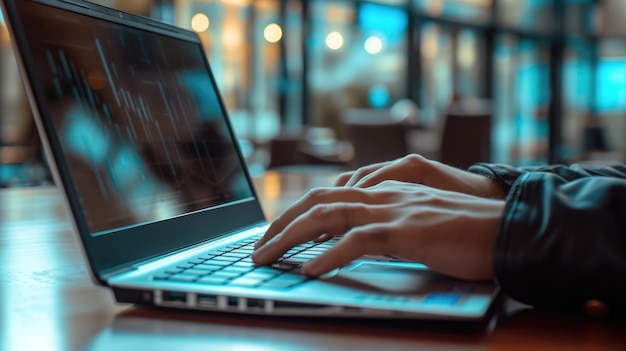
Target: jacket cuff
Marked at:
505, 175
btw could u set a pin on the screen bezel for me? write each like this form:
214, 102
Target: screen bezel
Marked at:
121, 249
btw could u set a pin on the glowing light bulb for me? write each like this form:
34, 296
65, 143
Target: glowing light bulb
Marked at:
273, 33
200, 22
334, 40
373, 45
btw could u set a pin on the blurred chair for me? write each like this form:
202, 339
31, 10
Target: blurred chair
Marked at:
299, 150
375, 136
284, 150
466, 135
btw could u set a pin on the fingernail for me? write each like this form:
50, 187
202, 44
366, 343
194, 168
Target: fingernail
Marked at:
255, 255
258, 256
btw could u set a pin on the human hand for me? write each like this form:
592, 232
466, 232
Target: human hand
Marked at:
419, 170
452, 233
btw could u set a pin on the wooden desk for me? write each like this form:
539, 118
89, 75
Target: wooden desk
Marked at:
47, 301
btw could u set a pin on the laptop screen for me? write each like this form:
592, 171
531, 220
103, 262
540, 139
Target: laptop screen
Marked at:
138, 119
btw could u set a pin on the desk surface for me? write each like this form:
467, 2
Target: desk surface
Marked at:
47, 301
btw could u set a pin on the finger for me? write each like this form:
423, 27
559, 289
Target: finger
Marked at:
396, 170
331, 219
373, 239
364, 171
343, 178
310, 199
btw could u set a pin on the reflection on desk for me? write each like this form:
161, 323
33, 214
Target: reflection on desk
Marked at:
48, 302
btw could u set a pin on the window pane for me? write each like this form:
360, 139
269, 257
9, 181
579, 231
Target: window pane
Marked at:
611, 14
294, 74
577, 99
611, 96
468, 10
470, 70
534, 15
579, 16
437, 81
521, 98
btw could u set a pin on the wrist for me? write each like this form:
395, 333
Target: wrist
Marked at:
492, 188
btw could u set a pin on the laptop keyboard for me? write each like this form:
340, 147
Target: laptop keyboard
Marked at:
233, 266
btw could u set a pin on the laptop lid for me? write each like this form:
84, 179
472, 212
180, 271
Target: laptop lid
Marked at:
135, 129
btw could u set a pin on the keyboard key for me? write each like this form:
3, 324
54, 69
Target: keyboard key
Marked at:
305, 255
174, 271
243, 251
224, 259
244, 281
317, 250
292, 277
206, 257
181, 277
196, 261
217, 263
209, 267
295, 260
235, 254
243, 264
278, 284
261, 275
268, 270
212, 280
196, 272
226, 275
236, 269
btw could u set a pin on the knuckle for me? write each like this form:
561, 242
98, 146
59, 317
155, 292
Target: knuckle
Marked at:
317, 194
415, 159
321, 210
361, 173
343, 177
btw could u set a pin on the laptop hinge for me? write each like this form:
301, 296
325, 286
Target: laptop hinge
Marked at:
106, 276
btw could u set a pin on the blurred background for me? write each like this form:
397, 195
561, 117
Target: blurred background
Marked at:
338, 84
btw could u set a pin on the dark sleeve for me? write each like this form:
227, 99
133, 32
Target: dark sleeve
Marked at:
562, 240
506, 175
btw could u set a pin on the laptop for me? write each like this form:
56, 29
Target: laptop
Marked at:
139, 142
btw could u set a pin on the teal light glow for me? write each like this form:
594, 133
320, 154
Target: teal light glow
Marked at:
391, 22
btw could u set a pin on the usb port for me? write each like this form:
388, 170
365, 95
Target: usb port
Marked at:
207, 300
174, 296
256, 303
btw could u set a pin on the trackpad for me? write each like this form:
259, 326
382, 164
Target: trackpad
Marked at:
391, 277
